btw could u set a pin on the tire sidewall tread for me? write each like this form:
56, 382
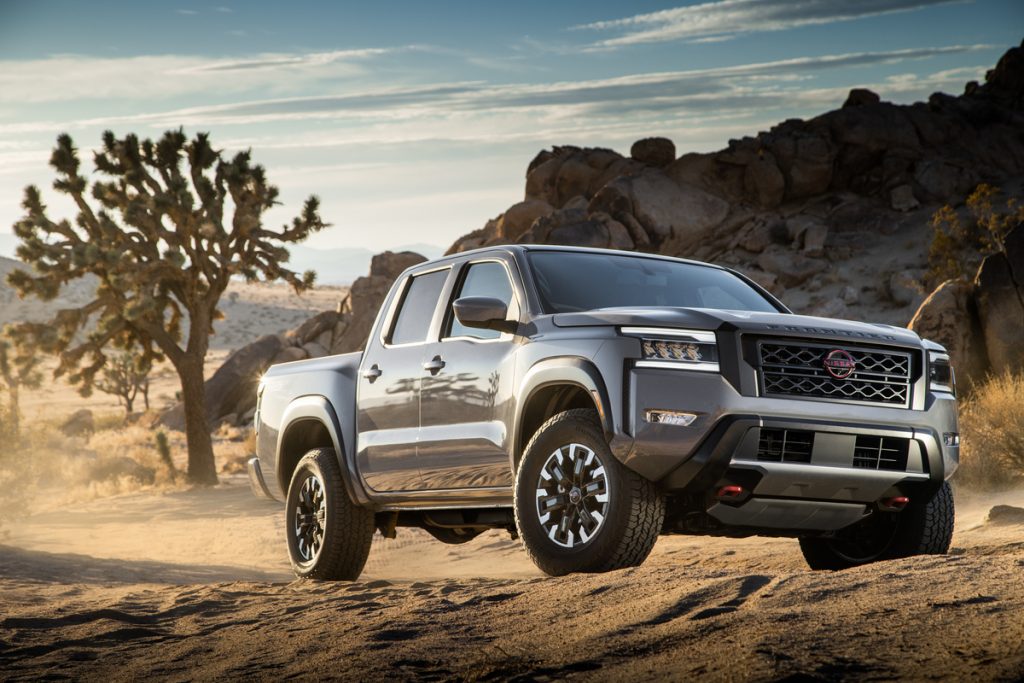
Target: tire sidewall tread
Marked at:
349, 528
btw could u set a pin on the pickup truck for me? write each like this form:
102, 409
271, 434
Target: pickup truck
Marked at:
587, 401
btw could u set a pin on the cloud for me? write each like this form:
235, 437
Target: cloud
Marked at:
723, 19
701, 89
277, 61
75, 77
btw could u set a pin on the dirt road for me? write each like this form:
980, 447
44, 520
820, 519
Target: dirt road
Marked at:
194, 585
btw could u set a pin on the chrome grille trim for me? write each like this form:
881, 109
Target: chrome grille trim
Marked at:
795, 369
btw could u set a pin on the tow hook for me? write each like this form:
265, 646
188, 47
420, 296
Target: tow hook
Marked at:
893, 504
732, 494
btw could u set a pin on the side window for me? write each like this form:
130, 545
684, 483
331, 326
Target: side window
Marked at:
417, 309
482, 279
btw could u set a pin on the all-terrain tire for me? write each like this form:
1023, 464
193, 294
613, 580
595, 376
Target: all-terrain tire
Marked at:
921, 529
635, 509
346, 529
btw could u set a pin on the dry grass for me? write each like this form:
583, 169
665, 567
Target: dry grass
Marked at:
992, 430
48, 469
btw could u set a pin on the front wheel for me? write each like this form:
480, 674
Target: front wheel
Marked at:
577, 508
328, 535
922, 529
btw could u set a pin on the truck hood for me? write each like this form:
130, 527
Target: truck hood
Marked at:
775, 324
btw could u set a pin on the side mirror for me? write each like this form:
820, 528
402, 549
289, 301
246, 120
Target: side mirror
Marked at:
483, 312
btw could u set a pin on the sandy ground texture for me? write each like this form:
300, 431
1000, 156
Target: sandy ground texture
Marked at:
194, 585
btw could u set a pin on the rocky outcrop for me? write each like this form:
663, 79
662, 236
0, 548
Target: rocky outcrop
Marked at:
868, 152
231, 391
999, 297
948, 316
981, 323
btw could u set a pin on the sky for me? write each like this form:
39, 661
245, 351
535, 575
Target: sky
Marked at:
414, 122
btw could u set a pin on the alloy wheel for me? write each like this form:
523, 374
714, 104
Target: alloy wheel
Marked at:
310, 518
572, 495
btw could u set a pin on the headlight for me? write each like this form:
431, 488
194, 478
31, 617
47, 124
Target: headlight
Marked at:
678, 349
940, 373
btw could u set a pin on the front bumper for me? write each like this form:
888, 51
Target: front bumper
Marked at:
825, 492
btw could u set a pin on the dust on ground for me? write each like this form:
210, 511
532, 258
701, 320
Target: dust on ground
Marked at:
194, 584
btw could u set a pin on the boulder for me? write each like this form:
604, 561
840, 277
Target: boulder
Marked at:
789, 268
315, 326
289, 355
573, 178
1000, 305
901, 198
79, 423
942, 181
390, 264
860, 97
659, 152
830, 308
849, 295
949, 316
806, 161
232, 389
666, 208
315, 350
764, 182
540, 181
577, 202
904, 288
815, 237
519, 217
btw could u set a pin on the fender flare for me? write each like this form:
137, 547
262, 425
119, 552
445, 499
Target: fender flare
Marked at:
318, 408
575, 370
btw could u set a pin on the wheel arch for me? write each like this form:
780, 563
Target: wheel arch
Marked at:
311, 422
553, 386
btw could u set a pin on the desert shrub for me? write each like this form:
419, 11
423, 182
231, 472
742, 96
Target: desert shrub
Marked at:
958, 246
992, 431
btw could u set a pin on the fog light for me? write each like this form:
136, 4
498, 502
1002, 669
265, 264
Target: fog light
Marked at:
951, 438
670, 417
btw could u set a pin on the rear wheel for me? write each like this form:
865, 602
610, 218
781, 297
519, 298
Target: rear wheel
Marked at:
577, 508
328, 535
922, 529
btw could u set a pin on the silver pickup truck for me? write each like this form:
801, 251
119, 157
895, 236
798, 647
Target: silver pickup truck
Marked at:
589, 400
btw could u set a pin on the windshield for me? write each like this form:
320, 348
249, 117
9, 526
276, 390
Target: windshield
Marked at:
579, 281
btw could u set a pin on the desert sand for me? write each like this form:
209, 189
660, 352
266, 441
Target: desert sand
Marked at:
193, 584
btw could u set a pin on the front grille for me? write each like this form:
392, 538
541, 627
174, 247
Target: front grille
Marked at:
797, 369
881, 453
785, 445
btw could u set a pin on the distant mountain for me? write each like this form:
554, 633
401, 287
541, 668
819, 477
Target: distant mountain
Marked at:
338, 266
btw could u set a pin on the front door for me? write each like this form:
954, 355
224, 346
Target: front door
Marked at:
467, 392
389, 389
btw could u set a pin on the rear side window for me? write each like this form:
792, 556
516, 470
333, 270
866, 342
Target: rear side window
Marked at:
417, 309
483, 279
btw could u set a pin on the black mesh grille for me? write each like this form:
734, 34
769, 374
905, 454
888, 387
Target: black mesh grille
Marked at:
797, 369
881, 453
785, 445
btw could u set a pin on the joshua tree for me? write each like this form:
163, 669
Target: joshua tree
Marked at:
125, 376
163, 252
18, 368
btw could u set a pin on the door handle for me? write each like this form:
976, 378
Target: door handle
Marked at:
373, 373
434, 366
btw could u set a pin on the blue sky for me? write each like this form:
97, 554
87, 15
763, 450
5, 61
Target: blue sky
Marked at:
415, 121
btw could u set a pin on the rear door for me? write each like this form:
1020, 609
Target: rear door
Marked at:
389, 386
467, 392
